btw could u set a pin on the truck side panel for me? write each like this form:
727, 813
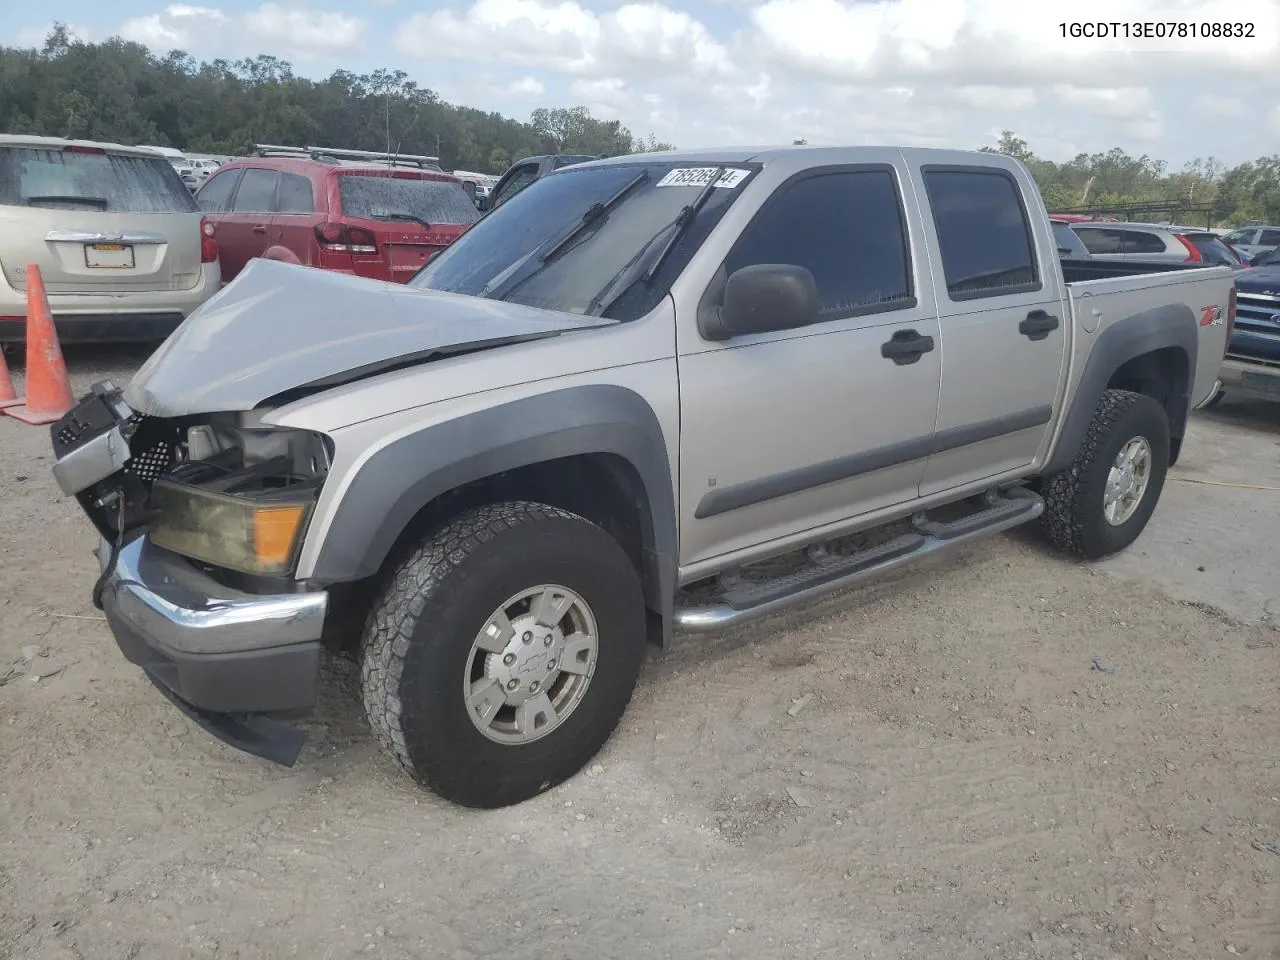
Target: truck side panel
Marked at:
1177, 321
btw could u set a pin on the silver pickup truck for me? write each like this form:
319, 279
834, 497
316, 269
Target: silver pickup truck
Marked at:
649, 394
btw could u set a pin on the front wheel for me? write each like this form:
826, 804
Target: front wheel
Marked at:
1101, 503
502, 653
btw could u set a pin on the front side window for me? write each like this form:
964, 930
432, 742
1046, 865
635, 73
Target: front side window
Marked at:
603, 241
519, 180
215, 195
985, 239
846, 228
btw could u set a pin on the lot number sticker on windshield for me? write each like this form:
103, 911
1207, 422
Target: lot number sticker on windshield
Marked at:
701, 176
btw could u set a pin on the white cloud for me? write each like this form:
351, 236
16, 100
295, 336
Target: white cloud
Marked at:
1210, 106
565, 37
995, 98
291, 32
175, 28
527, 87
303, 32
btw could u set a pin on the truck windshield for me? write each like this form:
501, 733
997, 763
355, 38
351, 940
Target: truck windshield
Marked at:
606, 240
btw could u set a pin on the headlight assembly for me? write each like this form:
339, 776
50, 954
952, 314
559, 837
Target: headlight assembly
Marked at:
258, 535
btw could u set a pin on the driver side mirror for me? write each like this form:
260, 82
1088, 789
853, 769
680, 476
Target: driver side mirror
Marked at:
764, 298
484, 204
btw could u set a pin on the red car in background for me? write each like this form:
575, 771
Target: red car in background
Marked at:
373, 215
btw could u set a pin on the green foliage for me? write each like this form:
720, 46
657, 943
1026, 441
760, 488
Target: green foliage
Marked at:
1250, 191
122, 92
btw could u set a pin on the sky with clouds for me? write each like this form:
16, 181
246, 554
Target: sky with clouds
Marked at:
732, 72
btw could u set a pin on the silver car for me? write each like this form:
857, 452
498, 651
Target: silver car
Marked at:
117, 236
1106, 240
1253, 241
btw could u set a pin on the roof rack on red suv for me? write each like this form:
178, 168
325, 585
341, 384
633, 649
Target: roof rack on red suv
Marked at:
337, 155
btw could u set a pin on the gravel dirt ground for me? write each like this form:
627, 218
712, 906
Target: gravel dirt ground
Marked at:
932, 767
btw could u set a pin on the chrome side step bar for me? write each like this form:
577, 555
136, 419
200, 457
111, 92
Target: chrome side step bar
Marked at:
741, 601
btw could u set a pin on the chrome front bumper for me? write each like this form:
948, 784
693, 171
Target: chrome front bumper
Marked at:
215, 648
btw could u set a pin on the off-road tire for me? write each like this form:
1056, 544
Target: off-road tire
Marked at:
420, 630
1073, 519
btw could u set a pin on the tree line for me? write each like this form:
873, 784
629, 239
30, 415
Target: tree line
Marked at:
1203, 188
121, 92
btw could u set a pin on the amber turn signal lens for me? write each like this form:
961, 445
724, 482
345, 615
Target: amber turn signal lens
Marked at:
274, 531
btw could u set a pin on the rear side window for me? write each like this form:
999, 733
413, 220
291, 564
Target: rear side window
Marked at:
1269, 238
983, 233
406, 199
847, 230
1140, 241
88, 179
215, 195
1101, 240
257, 191
295, 195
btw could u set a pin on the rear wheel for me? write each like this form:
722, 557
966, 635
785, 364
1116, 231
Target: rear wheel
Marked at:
1101, 503
503, 652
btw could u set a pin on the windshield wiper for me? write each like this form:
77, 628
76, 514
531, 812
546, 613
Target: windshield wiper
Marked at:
628, 276
69, 198
593, 215
407, 217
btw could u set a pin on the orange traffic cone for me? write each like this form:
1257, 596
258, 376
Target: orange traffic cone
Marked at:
48, 389
8, 396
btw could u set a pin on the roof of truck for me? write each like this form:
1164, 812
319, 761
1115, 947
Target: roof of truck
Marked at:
814, 154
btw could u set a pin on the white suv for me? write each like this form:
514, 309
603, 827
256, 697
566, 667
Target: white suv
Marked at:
121, 245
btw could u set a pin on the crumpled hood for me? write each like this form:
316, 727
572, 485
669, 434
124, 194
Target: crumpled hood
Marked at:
279, 326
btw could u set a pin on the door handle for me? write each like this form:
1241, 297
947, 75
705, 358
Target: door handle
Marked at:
1038, 324
259, 229
906, 346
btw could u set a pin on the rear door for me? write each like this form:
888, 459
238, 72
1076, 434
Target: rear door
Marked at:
242, 233
96, 221
1002, 322
294, 222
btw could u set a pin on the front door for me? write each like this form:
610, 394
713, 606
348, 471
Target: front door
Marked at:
1003, 326
786, 432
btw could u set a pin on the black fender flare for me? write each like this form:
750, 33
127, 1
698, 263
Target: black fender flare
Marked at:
394, 484
1172, 325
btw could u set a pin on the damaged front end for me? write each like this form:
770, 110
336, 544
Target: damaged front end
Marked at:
201, 519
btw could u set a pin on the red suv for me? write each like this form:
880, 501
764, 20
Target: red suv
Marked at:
369, 214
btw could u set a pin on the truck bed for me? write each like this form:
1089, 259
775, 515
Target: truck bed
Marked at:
1081, 270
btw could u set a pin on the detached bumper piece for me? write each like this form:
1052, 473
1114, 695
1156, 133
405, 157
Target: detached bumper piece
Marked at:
225, 658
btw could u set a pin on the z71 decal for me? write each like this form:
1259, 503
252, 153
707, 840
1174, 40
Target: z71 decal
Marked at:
1211, 316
